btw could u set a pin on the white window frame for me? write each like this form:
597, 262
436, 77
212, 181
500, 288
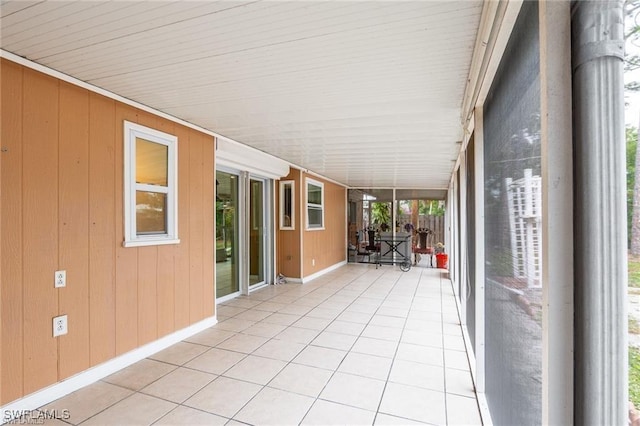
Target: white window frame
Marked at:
131, 238
314, 206
283, 184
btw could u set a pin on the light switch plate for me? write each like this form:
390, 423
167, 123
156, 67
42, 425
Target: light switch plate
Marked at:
60, 279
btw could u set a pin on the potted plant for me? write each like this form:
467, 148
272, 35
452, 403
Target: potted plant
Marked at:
381, 215
442, 259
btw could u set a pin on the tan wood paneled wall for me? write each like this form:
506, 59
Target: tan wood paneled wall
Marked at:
288, 242
61, 195
328, 246
295, 252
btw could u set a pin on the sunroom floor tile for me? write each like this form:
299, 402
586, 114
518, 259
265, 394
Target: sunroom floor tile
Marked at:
358, 345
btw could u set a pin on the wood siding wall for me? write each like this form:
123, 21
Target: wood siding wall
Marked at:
61, 195
329, 246
288, 242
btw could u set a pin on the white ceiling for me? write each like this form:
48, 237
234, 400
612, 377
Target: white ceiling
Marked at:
367, 93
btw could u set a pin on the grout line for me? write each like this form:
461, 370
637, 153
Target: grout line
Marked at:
444, 353
339, 283
188, 407
352, 345
397, 348
222, 374
288, 363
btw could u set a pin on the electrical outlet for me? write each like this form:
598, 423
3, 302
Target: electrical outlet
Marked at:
60, 279
60, 325
313, 262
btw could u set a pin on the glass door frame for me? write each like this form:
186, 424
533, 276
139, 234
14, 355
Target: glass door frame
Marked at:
268, 238
239, 235
267, 233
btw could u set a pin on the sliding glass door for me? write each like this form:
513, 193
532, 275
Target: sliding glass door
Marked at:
244, 236
257, 240
227, 271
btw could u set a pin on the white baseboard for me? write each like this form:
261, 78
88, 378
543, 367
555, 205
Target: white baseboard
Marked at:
485, 414
481, 397
322, 272
316, 275
44, 396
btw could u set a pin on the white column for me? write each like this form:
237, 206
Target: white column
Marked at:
600, 240
557, 213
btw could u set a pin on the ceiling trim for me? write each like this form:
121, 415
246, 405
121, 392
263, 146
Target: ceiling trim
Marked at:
318, 175
65, 77
72, 80
491, 12
497, 21
504, 28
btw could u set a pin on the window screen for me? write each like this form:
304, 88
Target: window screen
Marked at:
512, 224
458, 236
470, 264
315, 204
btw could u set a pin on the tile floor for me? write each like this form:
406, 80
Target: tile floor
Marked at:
358, 346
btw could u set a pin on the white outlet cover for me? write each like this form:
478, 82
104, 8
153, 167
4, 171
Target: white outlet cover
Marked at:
60, 326
60, 279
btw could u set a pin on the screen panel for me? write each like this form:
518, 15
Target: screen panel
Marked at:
513, 294
470, 264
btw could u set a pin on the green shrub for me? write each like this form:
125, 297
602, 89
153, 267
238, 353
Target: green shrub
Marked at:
634, 273
634, 375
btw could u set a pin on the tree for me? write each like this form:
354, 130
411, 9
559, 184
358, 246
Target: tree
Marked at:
380, 213
633, 181
632, 38
632, 143
632, 62
432, 207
